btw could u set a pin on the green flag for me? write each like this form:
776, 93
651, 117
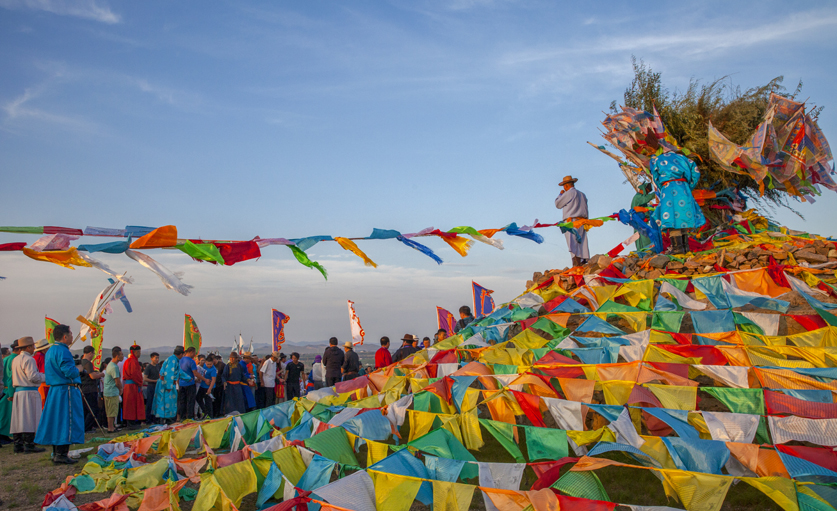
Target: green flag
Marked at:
50, 325
191, 334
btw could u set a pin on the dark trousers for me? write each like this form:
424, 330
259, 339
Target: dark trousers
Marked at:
217, 405
59, 450
149, 402
349, 376
204, 402
269, 396
260, 397
92, 399
23, 440
331, 380
186, 402
291, 390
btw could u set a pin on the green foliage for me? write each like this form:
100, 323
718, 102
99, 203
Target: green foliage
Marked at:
735, 112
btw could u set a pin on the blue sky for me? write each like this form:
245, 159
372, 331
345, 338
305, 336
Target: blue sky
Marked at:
237, 119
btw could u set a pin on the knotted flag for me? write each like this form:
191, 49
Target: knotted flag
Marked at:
357, 331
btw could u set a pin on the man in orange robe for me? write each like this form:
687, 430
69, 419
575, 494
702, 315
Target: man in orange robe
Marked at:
133, 404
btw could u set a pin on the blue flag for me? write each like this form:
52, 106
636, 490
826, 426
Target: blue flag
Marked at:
483, 303
279, 320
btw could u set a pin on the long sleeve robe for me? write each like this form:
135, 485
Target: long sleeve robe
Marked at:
62, 422
573, 204
165, 392
133, 404
26, 409
8, 392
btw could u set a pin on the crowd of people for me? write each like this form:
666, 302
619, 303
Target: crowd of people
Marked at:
49, 397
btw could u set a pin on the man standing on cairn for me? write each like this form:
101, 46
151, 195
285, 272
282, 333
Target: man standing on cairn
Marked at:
574, 206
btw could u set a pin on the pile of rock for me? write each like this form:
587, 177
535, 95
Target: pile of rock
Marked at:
652, 266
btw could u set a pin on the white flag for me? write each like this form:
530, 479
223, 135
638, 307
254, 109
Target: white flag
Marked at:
354, 322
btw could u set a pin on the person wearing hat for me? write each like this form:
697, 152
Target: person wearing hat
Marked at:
333, 362
351, 363
26, 409
62, 422
406, 348
573, 204
8, 393
40, 358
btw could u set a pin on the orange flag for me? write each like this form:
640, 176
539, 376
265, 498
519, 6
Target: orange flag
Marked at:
165, 236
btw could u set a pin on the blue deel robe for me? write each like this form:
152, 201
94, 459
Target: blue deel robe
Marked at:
677, 209
236, 379
165, 392
248, 392
62, 422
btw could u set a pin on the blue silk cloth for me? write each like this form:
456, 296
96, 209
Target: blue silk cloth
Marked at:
677, 209
62, 422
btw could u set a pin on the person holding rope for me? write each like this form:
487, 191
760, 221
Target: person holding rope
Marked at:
573, 205
62, 422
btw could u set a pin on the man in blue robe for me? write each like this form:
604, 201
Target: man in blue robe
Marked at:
62, 422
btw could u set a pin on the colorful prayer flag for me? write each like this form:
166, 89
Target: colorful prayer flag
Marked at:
483, 303
279, 320
50, 325
191, 334
445, 320
357, 331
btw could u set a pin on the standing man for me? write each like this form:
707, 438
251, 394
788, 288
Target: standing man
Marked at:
204, 397
351, 364
187, 393
574, 206
113, 388
150, 375
465, 318
218, 391
133, 404
405, 350
62, 422
8, 393
165, 393
333, 362
268, 376
382, 356
26, 410
90, 387
294, 370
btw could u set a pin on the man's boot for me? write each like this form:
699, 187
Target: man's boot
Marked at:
19, 442
685, 243
61, 457
30, 444
576, 261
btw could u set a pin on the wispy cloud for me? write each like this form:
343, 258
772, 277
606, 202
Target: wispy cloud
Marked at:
22, 108
87, 9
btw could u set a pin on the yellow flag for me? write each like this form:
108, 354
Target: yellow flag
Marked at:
180, 439
237, 481
699, 492
394, 492
375, 452
66, 258
215, 431
781, 490
452, 496
291, 463
208, 493
675, 397
350, 245
617, 392
148, 476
